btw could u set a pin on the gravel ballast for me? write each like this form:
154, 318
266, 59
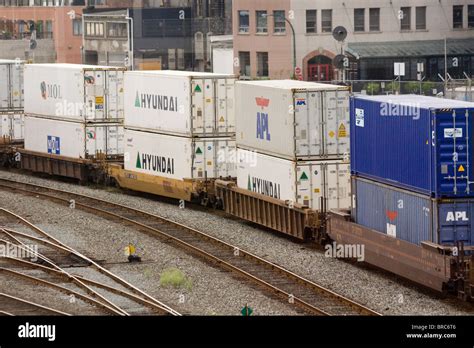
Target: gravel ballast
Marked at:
208, 291
378, 290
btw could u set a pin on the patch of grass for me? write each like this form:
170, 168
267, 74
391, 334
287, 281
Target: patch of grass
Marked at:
175, 278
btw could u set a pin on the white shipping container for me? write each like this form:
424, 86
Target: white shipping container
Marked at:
12, 125
293, 119
304, 182
73, 139
11, 84
178, 157
74, 92
180, 103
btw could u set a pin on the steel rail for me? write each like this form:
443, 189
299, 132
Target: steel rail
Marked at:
33, 304
332, 296
94, 264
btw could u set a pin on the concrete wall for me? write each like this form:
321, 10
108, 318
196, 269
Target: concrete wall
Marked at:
67, 47
44, 53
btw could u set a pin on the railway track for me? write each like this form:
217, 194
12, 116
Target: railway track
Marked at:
53, 262
290, 287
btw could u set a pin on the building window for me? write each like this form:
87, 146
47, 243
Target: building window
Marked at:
311, 21
117, 29
470, 16
457, 17
244, 21
405, 20
279, 24
374, 18
262, 64
77, 27
421, 18
262, 22
244, 62
94, 29
359, 19
326, 21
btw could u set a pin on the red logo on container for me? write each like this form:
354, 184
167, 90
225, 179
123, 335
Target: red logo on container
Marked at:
263, 102
392, 215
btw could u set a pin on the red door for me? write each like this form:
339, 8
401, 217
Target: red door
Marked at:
319, 72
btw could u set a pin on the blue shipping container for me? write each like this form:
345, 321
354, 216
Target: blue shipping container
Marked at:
424, 144
410, 216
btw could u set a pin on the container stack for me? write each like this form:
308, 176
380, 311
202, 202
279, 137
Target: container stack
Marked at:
74, 110
412, 167
293, 142
11, 101
179, 125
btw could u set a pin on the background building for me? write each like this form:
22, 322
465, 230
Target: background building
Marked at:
58, 37
163, 37
379, 34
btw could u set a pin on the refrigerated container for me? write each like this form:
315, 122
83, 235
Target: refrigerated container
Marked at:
11, 84
74, 139
293, 119
75, 92
424, 144
177, 157
12, 125
411, 216
303, 182
180, 103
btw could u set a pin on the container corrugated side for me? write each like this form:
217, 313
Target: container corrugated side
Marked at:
305, 182
295, 124
12, 125
74, 92
178, 157
11, 85
73, 139
414, 146
200, 105
411, 216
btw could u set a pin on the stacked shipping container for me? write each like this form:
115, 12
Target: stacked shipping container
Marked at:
293, 140
74, 110
11, 100
411, 165
179, 125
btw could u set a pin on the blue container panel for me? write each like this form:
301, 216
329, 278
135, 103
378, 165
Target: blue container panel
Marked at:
453, 154
387, 210
421, 149
454, 222
410, 216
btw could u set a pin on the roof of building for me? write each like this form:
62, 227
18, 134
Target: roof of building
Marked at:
420, 48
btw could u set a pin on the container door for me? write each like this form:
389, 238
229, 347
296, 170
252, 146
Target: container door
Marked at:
5, 88
5, 126
203, 93
17, 126
455, 222
336, 131
114, 103
308, 124
94, 84
310, 184
16, 82
225, 106
199, 159
96, 141
454, 152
